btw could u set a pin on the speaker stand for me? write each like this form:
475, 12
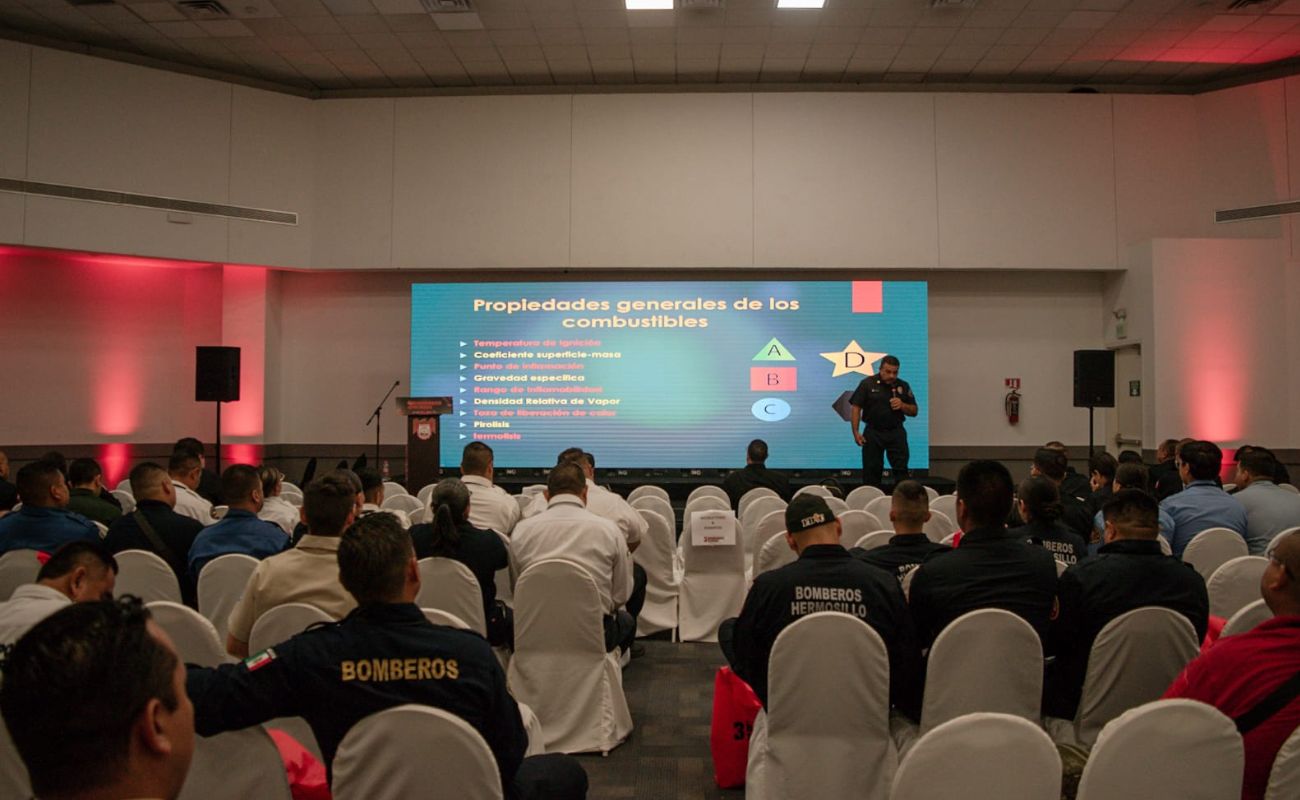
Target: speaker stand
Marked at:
1090, 432
218, 456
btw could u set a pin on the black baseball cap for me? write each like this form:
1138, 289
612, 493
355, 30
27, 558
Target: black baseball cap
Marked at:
807, 511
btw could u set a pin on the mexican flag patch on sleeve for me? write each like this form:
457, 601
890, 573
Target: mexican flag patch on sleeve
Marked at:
256, 662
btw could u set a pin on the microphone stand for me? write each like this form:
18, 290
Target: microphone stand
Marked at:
379, 409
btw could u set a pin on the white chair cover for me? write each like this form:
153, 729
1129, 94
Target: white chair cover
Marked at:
945, 504
931, 492
219, 512
769, 524
294, 498
855, 524
907, 582
825, 733
1290, 488
1284, 779
938, 526
403, 502
123, 485
238, 765
505, 577
195, 638
1061, 567
949, 539
751, 496
986, 660
523, 501
754, 515
14, 782
1212, 548
874, 539
1280, 536
17, 567
448, 584
774, 554
1167, 748
439, 617
560, 667
656, 555
1246, 619
661, 507
1165, 546
981, 757
414, 751
531, 491
859, 497
708, 491
532, 727
816, 489
836, 505
712, 587
1133, 660
146, 576
283, 622
880, 507
705, 503
221, 584
1235, 585
126, 499
393, 488
425, 493
649, 490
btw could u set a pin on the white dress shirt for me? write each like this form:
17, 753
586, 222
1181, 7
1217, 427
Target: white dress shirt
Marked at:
281, 512
569, 531
608, 505
28, 605
491, 507
189, 504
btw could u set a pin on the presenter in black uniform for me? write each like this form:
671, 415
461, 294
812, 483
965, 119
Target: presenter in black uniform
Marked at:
883, 400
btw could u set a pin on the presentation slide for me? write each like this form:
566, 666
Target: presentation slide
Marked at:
678, 374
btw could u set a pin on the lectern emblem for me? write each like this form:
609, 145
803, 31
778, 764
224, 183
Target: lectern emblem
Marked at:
424, 431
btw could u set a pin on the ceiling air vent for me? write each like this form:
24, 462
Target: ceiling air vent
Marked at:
203, 9
446, 6
90, 2
1236, 4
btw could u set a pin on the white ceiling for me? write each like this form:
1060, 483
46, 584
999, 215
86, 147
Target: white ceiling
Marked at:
330, 45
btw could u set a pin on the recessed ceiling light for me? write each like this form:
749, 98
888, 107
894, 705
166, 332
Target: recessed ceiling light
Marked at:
649, 5
800, 3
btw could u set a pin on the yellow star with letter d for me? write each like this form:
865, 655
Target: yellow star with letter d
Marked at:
853, 359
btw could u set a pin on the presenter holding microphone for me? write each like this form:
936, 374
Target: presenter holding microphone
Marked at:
883, 400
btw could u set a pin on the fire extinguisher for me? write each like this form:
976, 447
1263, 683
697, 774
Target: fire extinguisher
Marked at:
1012, 407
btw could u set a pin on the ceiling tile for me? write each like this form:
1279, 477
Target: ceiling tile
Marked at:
605, 36
410, 23
845, 17
787, 52
301, 8
376, 40
568, 35
225, 28
732, 35
609, 52
514, 37
521, 53
362, 23
180, 30
158, 12
1087, 19
604, 19
395, 7
698, 52
831, 51
740, 51
700, 35
331, 41
316, 25
342, 7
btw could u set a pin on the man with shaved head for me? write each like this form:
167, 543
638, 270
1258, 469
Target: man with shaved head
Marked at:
1254, 677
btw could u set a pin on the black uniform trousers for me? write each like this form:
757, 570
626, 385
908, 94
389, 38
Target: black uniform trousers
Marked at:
620, 627
876, 444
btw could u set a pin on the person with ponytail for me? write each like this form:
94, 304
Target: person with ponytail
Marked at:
451, 535
1039, 503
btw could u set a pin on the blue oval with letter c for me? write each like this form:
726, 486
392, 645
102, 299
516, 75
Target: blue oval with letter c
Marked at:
771, 409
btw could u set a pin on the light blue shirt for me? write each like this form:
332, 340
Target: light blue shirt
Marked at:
1199, 506
44, 529
1270, 509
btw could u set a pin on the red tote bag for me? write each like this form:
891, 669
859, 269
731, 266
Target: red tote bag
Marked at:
734, 708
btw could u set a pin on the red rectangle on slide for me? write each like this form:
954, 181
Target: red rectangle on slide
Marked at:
773, 379
868, 297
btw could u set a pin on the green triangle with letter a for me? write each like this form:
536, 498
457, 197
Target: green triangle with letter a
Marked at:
774, 351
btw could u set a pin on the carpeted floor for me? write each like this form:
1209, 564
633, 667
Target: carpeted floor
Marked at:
670, 691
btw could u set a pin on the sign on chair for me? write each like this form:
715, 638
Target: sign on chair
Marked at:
713, 528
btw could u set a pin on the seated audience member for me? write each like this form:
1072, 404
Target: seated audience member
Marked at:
300, 530
567, 529
1132, 476
1163, 477
909, 510
336, 675
185, 469
44, 522
1071, 483
274, 507
452, 535
824, 578
1270, 509
1130, 457
1039, 504
78, 572
94, 699
492, 508
308, 572
209, 487
1101, 476
1202, 504
991, 569
372, 489
154, 526
1051, 464
755, 475
1280, 473
1128, 572
240, 531
87, 481
1251, 677
8, 492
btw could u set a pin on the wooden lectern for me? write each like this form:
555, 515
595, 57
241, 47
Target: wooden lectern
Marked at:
423, 453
